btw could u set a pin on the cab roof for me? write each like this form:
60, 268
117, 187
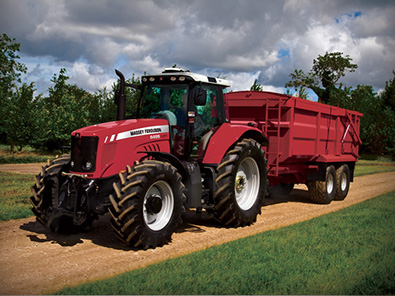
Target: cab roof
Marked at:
178, 72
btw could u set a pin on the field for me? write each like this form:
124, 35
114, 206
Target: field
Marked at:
351, 251
27, 155
28, 250
14, 195
367, 167
15, 188
348, 252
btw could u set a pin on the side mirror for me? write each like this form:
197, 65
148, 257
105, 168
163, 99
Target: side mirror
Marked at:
199, 96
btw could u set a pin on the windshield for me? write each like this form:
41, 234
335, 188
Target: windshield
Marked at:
165, 99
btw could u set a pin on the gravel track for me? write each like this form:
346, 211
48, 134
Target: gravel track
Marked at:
36, 261
22, 168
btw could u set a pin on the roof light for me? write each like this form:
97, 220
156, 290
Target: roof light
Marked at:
152, 79
173, 78
182, 78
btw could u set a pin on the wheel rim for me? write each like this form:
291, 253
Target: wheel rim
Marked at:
247, 183
343, 182
329, 184
158, 219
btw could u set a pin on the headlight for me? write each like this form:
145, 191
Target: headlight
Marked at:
87, 166
72, 163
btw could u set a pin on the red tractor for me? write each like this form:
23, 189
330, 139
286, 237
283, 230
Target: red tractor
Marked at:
179, 153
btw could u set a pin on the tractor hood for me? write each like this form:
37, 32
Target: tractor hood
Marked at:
117, 130
105, 149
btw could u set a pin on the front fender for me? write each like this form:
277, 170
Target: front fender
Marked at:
225, 137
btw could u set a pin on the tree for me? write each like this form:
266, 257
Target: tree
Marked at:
10, 74
388, 114
256, 86
363, 99
377, 129
20, 117
67, 108
324, 76
10, 69
107, 108
388, 95
106, 101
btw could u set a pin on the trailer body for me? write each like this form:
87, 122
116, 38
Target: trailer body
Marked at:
304, 136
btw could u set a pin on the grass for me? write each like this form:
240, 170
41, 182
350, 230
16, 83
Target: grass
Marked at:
368, 167
14, 196
27, 155
351, 251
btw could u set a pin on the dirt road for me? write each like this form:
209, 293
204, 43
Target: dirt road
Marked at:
35, 261
22, 168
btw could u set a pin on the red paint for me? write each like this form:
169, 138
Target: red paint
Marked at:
122, 142
301, 133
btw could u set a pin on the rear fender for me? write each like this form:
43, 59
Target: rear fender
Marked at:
225, 138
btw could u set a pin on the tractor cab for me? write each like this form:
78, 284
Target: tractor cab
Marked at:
191, 103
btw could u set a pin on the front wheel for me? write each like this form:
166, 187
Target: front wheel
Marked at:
241, 184
147, 204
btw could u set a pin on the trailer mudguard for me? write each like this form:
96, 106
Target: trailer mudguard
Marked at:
224, 139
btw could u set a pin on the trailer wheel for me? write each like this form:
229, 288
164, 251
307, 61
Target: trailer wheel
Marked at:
147, 204
45, 195
342, 182
241, 184
324, 191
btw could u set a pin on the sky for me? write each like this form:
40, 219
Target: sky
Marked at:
241, 40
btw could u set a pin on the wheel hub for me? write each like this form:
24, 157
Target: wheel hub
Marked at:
153, 204
240, 183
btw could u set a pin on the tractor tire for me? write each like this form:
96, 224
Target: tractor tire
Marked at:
241, 183
342, 182
45, 194
323, 192
147, 204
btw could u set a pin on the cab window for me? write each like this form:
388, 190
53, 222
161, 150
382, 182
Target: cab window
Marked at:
208, 117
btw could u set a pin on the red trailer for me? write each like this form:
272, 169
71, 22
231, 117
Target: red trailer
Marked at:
309, 142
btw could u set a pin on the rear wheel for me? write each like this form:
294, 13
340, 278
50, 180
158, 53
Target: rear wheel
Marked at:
342, 182
147, 204
241, 184
324, 191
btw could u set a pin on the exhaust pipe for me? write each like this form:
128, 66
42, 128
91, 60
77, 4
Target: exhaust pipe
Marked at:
120, 98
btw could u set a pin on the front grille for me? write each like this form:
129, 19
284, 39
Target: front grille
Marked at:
83, 152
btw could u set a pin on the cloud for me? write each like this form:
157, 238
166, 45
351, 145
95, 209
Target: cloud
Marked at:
372, 54
92, 78
243, 39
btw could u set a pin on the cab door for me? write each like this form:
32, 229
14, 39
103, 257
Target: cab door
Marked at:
208, 115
